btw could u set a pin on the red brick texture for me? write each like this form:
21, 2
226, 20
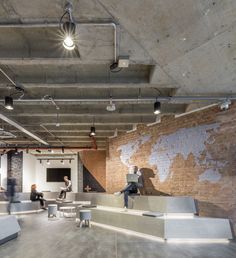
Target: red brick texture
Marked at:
95, 162
216, 199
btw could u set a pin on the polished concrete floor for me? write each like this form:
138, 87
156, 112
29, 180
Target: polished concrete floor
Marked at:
61, 238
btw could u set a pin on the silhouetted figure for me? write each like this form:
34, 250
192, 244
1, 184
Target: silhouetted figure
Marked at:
11, 191
148, 187
37, 196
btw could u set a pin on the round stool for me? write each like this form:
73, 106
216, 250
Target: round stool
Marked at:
84, 215
69, 210
52, 210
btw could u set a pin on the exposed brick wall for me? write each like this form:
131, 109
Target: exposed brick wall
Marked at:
14, 168
217, 196
95, 162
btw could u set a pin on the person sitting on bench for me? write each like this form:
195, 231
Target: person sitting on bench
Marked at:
67, 188
134, 181
37, 196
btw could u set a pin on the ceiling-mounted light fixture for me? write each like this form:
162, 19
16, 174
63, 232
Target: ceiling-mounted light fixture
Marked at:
62, 149
9, 103
39, 151
57, 123
16, 151
225, 105
111, 106
157, 107
68, 28
92, 131
48, 162
62, 161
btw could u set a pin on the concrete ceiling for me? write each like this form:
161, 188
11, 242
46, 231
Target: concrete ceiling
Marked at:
183, 47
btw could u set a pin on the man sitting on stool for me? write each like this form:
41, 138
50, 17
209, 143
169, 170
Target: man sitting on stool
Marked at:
134, 181
67, 188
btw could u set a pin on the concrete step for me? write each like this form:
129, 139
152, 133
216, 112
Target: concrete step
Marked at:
165, 227
9, 228
21, 207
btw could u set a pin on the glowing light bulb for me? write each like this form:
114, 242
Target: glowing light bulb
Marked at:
68, 43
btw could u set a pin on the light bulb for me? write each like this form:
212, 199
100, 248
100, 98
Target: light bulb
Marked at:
68, 43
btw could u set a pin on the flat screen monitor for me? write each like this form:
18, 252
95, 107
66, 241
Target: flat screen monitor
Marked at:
57, 174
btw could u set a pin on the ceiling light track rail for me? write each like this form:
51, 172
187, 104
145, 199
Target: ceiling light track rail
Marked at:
175, 99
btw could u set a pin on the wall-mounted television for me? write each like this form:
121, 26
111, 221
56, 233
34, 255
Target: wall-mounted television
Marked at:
57, 174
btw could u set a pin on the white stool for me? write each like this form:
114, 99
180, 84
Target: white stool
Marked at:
69, 210
85, 215
52, 210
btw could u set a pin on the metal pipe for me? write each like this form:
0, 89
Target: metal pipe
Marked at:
8, 148
141, 100
55, 25
7, 76
22, 129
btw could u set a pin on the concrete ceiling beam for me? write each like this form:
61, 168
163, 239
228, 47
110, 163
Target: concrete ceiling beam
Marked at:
80, 85
110, 120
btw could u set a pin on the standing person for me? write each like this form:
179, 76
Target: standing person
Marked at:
67, 188
37, 196
131, 187
11, 191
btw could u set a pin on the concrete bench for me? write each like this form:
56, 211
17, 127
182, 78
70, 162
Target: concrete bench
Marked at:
25, 206
9, 228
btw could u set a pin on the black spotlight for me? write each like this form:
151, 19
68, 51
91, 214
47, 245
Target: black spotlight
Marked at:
157, 107
9, 103
92, 131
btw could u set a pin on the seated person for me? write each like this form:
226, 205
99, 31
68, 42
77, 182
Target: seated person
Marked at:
131, 187
37, 196
67, 188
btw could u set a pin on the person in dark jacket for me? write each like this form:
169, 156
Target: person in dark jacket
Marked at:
67, 188
11, 191
37, 196
131, 188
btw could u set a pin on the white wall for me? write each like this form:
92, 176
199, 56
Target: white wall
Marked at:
35, 173
3, 170
29, 171
41, 169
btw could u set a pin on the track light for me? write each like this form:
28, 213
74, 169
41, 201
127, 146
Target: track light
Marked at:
225, 105
9, 103
157, 107
48, 162
39, 151
68, 28
16, 151
92, 131
62, 149
111, 106
62, 161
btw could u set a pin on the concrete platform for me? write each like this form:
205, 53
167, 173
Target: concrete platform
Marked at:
21, 207
178, 228
9, 228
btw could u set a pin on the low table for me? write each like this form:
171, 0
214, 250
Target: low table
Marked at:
69, 210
